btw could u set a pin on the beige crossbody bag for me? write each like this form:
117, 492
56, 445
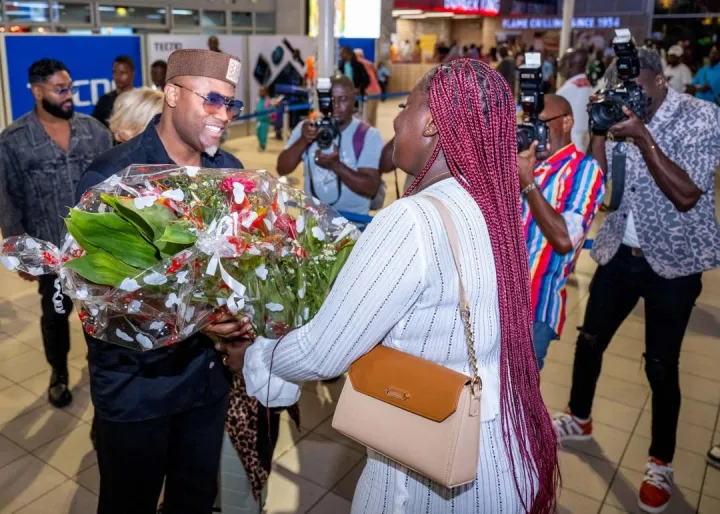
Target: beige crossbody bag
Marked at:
422, 415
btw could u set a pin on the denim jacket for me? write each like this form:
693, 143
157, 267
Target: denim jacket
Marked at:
38, 179
675, 243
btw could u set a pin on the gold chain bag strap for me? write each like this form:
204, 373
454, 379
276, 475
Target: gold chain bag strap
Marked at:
419, 414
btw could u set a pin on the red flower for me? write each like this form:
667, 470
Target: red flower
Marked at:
176, 264
228, 184
287, 225
49, 259
239, 243
300, 253
8, 248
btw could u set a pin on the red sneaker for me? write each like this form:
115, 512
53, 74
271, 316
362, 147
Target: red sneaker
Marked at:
570, 428
656, 489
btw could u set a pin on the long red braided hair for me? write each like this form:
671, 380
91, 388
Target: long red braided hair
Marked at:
474, 112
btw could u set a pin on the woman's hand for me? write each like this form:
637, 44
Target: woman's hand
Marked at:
234, 353
228, 327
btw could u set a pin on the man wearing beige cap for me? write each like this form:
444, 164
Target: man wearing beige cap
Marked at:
159, 415
677, 74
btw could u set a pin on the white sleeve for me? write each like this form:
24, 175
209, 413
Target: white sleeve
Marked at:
382, 279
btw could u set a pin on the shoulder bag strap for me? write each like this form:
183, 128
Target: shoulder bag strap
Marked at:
464, 304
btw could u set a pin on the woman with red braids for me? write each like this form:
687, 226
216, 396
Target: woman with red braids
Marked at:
400, 288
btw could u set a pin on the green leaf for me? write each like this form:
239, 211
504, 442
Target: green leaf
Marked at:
178, 232
341, 258
109, 232
102, 268
73, 230
150, 221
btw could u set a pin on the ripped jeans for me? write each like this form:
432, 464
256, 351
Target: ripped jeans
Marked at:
614, 292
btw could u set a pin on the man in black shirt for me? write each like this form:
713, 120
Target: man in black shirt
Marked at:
159, 415
123, 76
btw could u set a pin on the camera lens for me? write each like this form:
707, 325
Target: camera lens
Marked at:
605, 114
325, 137
524, 139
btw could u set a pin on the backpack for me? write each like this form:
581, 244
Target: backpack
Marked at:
358, 143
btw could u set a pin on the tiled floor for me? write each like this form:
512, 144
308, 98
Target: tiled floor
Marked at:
47, 465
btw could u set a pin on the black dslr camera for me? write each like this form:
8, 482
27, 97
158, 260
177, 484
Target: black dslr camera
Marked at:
532, 100
327, 126
607, 111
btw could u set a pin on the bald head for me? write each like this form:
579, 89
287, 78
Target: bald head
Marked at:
558, 115
556, 105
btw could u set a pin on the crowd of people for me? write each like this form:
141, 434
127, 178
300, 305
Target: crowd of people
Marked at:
161, 417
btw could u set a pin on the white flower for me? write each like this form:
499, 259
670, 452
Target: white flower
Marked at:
182, 277
155, 279
144, 201
175, 194
189, 313
144, 341
251, 217
306, 313
10, 262
81, 294
187, 330
157, 325
274, 307
318, 233
262, 272
172, 299
254, 251
94, 311
238, 193
284, 252
300, 224
31, 244
339, 221
191, 171
134, 307
122, 335
129, 285
301, 292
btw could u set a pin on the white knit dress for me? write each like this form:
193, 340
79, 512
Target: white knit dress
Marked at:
400, 287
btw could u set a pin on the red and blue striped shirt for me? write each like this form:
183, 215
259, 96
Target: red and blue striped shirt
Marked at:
573, 184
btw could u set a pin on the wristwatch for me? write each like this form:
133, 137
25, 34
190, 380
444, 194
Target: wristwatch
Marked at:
528, 189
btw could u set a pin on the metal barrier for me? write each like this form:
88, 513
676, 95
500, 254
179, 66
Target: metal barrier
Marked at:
358, 219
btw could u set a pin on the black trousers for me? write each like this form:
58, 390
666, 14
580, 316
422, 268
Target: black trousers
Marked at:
614, 291
183, 449
54, 325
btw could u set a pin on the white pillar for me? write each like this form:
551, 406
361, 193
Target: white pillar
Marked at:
565, 33
326, 39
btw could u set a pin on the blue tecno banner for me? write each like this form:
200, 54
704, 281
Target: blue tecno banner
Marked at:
89, 59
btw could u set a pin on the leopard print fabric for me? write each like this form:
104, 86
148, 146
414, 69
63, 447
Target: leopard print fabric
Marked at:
241, 424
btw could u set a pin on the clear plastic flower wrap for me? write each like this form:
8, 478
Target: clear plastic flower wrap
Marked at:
153, 253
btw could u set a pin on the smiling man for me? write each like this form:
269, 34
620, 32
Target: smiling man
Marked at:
159, 415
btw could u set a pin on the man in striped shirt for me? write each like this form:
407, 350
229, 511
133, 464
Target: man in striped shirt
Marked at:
560, 198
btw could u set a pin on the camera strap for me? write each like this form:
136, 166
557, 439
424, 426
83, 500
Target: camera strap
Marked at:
308, 168
618, 167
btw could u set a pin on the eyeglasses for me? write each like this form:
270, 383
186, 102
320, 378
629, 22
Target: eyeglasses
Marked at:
556, 117
213, 102
63, 91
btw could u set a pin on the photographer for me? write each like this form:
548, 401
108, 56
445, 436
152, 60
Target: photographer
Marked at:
345, 175
656, 245
560, 198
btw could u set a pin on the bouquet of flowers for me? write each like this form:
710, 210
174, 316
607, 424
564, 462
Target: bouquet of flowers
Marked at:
155, 252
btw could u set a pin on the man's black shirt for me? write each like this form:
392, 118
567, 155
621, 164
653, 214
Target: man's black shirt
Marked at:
103, 109
130, 385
